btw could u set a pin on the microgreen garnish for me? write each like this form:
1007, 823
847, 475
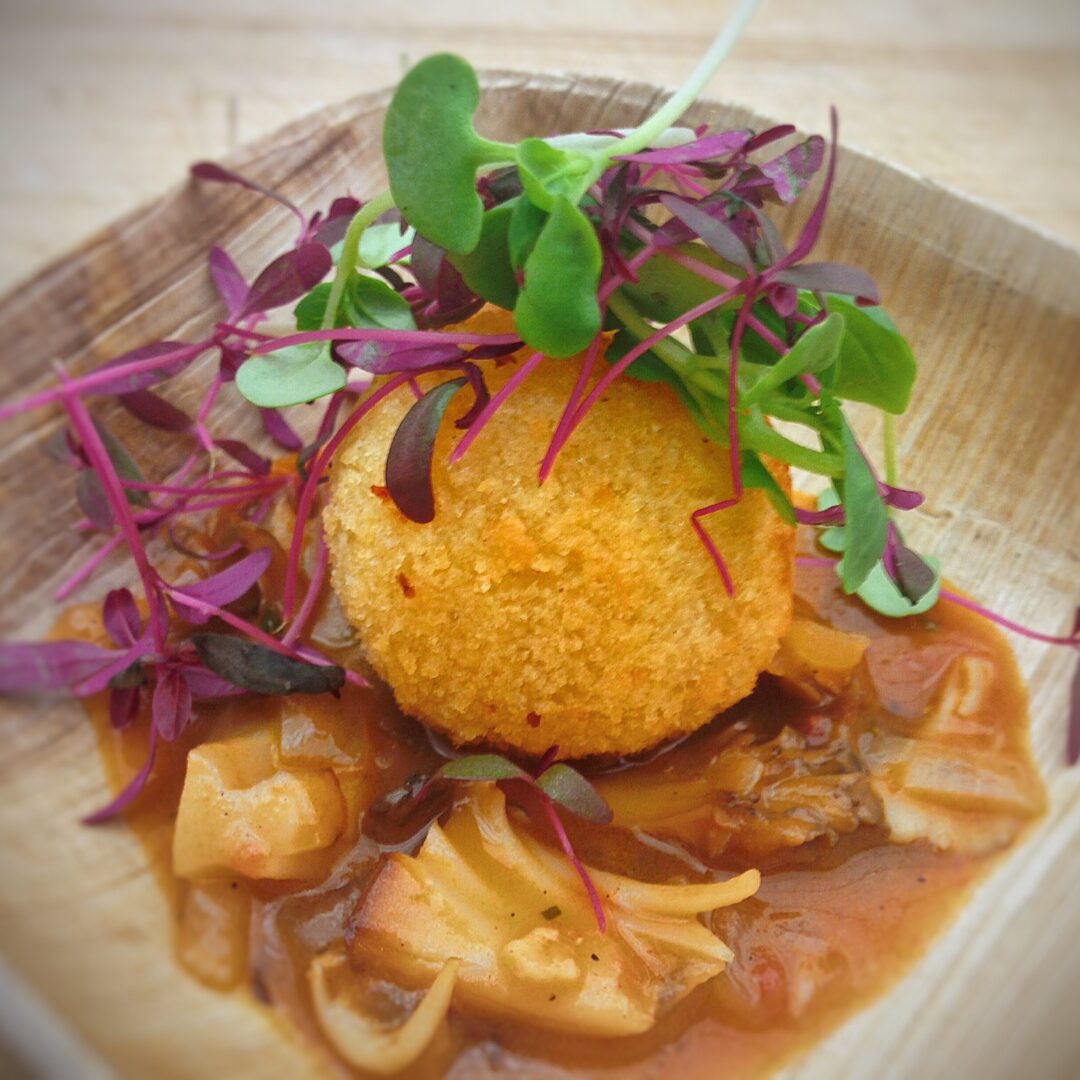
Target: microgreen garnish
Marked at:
653, 246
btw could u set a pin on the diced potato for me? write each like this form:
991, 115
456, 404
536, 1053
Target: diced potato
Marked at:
239, 814
816, 660
213, 933
516, 915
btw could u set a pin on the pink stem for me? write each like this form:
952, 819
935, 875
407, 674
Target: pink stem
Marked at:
494, 404
110, 482
311, 485
100, 377
559, 435
399, 337
578, 865
311, 598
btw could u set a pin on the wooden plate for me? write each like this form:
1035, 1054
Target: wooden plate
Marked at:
993, 310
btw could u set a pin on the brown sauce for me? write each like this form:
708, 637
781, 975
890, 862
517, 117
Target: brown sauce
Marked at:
843, 910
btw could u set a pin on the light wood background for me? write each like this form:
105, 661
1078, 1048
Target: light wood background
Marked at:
103, 103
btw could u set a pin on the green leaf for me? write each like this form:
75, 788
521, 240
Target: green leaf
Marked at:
756, 475
482, 767
557, 311
371, 302
432, 151
567, 787
665, 289
290, 376
867, 528
816, 350
487, 269
368, 301
547, 172
380, 243
310, 311
876, 363
880, 592
526, 223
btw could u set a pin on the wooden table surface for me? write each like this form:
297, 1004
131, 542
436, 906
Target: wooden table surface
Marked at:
105, 102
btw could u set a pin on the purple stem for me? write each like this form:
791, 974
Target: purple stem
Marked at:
110, 482
311, 485
578, 865
494, 404
311, 598
102, 376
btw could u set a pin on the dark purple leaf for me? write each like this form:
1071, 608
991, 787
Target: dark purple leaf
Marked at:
171, 706
769, 135
449, 298
123, 463
490, 352
63, 448
567, 787
481, 395
241, 452
174, 355
232, 356
287, 278
408, 464
831, 277
784, 299
792, 171
154, 410
914, 577
900, 498
229, 282
209, 170
262, 670
133, 675
206, 686
121, 617
131, 792
386, 358
123, 706
277, 427
482, 767
222, 588
336, 224
50, 665
711, 146
92, 500
716, 234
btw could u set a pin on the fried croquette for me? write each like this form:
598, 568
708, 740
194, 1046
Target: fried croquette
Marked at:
584, 612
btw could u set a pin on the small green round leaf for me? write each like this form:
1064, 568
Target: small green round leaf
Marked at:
432, 151
290, 376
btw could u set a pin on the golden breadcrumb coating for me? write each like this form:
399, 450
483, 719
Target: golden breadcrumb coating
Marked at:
584, 613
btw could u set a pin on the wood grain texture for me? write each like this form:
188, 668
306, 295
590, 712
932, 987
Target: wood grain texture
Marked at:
993, 310
106, 101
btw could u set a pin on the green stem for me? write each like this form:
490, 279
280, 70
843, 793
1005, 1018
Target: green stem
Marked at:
350, 253
643, 135
889, 437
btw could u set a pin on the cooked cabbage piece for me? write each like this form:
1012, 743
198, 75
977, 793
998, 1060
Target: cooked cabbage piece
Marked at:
240, 814
953, 784
482, 890
358, 1037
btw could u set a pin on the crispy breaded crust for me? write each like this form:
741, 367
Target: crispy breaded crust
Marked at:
584, 613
